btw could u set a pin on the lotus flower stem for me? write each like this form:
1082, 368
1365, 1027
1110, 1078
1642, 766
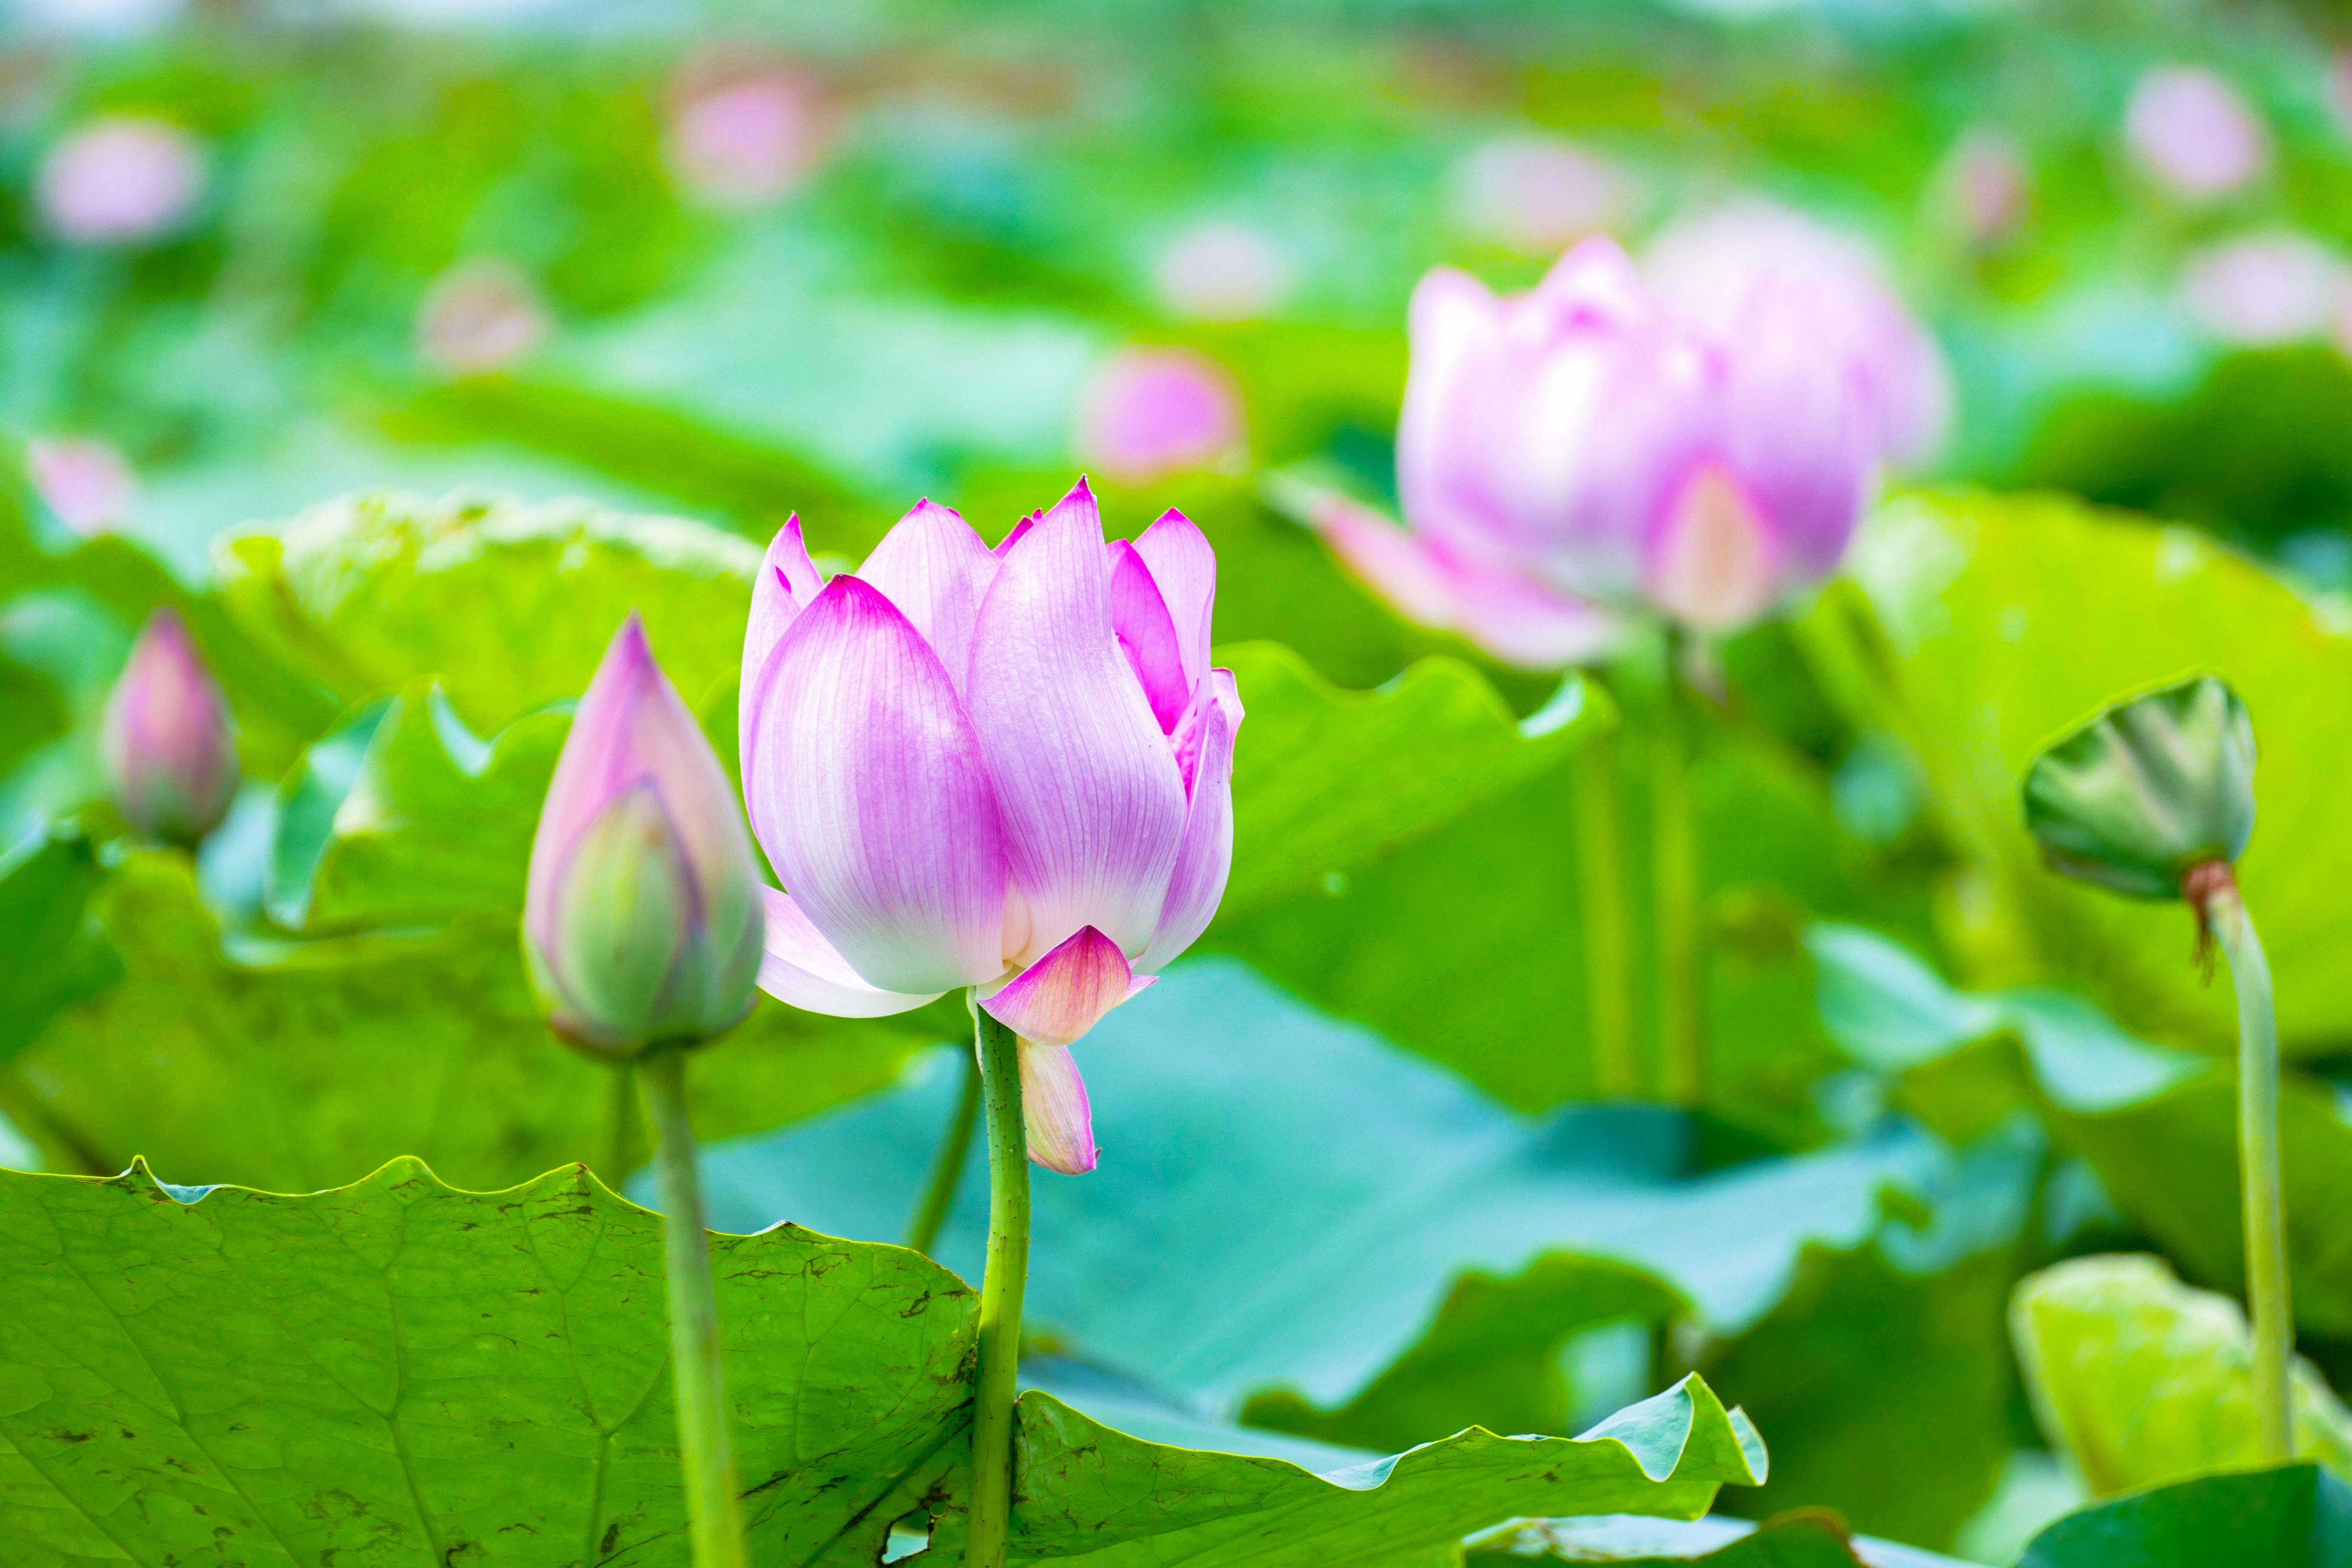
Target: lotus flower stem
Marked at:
1608, 964
713, 1499
1675, 892
947, 1165
2261, 1188
1001, 1290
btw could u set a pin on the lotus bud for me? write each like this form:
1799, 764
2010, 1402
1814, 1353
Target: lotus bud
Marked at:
2148, 791
85, 481
1148, 413
120, 181
642, 922
2193, 135
744, 132
166, 741
480, 316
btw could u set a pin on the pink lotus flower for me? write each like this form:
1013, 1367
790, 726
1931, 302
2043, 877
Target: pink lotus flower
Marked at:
642, 920
85, 481
480, 316
1537, 194
1700, 446
2269, 288
2193, 134
1006, 769
1221, 273
1149, 413
1986, 188
744, 134
119, 181
165, 740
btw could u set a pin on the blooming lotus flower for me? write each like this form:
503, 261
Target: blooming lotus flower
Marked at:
120, 180
165, 740
1148, 413
2193, 135
642, 920
1008, 769
1699, 446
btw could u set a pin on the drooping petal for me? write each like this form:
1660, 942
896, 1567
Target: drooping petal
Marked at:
800, 967
1205, 858
936, 570
788, 580
1184, 567
1394, 563
868, 792
1056, 1117
1146, 635
1057, 999
1092, 804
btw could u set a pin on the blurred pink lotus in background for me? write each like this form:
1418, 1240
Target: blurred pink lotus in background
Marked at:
1984, 188
2271, 288
480, 316
642, 921
1219, 271
745, 132
1698, 443
1537, 193
1148, 412
84, 480
1007, 769
119, 181
2193, 134
166, 740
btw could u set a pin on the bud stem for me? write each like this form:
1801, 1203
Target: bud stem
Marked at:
1001, 1290
947, 1165
713, 1505
2225, 913
624, 1143
1675, 891
1608, 964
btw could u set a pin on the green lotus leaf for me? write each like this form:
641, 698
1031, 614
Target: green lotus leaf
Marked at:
2148, 790
1805, 1538
301, 1065
398, 1369
51, 954
2146, 1381
2296, 1517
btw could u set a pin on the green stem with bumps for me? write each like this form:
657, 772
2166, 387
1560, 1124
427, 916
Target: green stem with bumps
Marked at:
1674, 893
1000, 1290
1608, 947
713, 1499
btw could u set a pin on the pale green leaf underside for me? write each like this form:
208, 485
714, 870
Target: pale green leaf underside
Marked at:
398, 1372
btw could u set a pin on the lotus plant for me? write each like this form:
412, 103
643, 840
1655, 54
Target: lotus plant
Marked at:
1691, 446
168, 749
642, 930
2154, 799
1005, 771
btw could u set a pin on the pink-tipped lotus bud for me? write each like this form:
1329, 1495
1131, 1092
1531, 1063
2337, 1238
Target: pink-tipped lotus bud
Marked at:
120, 181
166, 741
642, 924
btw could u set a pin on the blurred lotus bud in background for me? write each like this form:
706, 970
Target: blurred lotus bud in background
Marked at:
84, 480
481, 316
642, 921
1539, 194
166, 740
744, 132
1766, 281
1985, 189
2263, 289
1148, 412
2192, 133
1218, 271
120, 181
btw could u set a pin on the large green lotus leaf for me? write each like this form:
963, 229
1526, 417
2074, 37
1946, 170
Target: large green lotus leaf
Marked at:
2158, 1125
2144, 1381
298, 1066
399, 1370
510, 604
1431, 1252
51, 953
1413, 755
402, 815
275, 703
2296, 1517
1086, 1494
1469, 945
1983, 628
1800, 1539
